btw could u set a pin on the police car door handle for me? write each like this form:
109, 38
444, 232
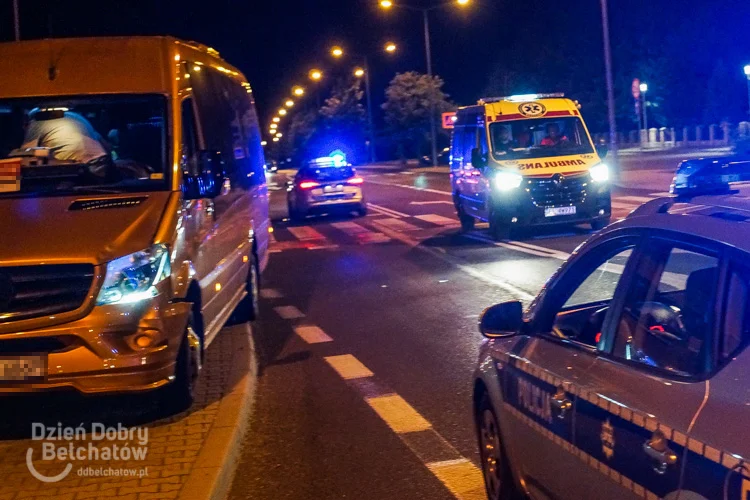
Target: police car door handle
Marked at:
656, 448
561, 403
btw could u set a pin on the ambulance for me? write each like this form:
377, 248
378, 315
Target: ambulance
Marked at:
527, 161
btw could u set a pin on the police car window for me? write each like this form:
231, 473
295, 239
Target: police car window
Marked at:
668, 314
586, 305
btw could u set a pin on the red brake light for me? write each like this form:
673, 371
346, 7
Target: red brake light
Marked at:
356, 180
308, 184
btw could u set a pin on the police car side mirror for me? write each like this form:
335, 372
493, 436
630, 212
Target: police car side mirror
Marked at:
477, 159
502, 320
602, 150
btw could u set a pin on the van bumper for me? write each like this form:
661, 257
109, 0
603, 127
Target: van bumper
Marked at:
519, 209
98, 353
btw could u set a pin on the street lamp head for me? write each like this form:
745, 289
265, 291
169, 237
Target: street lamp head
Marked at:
289, 103
276, 139
386, 4
359, 72
282, 112
264, 143
316, 75
644, 87
298, 91
463, 3
274, 126
390, 47
747, 71
276, 119
279, 135
337, 51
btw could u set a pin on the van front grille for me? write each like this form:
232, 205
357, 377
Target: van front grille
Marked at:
559, 190
28, 292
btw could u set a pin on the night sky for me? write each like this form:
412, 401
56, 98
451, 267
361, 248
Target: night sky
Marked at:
492, 46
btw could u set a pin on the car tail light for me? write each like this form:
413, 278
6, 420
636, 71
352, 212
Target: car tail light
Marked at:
356, 180
308, 184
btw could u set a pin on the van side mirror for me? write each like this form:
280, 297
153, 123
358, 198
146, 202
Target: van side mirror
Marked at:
478, 160
502, 320
210, 181
602, 150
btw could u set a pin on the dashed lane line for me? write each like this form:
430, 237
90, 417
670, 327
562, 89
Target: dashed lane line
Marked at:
312, 334
289, 312
348, 367
398, 225
438, 220
305, 233
270, 293
387, 211
399, 415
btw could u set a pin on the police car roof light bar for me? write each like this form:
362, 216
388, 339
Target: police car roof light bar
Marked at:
521, 98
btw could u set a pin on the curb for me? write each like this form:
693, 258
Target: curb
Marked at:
220, 453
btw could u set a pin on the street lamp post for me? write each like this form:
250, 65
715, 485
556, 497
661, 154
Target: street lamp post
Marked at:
387, 4
747, 74
610, 82
644, 107
16, 21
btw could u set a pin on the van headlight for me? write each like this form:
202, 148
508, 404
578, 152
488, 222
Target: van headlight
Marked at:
599, 173
506, 181
133, 278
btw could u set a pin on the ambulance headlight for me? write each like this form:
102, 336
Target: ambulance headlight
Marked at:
133, 278
599, 173
507, 181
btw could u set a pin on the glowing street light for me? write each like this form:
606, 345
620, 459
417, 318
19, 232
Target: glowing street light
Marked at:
337, 51
276, 119
386, 4
316, 75
463, 2
279, 135
359, 72
282, 112
298, 91
390, 47
289, 103
264, 143
274, 126
276, 139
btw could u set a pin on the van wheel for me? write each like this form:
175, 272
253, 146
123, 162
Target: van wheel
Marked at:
179, 395
498, 478
362, 211
467, 221
249, 308
499, 230
600, 224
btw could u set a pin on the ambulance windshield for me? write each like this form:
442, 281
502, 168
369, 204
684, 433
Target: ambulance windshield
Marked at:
539, 138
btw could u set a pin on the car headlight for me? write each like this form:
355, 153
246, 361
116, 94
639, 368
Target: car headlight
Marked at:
506, 181
133, 278
599, 173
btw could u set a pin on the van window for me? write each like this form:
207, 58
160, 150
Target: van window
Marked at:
63, 145
539, 138
229, 125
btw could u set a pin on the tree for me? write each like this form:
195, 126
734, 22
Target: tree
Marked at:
410, 100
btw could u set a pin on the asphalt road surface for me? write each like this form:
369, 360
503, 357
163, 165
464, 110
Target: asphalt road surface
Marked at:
369, 339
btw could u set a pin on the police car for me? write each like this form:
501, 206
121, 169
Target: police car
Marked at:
628, 376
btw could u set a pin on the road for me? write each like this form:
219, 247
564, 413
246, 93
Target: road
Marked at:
369, 339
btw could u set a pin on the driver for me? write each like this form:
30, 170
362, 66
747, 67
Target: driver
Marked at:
503, 142
69, 135
554, 138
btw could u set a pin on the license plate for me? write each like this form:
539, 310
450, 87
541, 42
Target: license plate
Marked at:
557, 211
333, 189
19, 368
730, 178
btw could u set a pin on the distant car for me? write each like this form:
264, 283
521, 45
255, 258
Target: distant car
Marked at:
444, 158
627, 377
325, 187
272, 166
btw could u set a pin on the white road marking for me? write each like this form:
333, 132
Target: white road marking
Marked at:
289, 312
312, 334
554, 253
271, 238
426, 190
661, 195
398, 225
540, 252
441, 202
387, 211
363, 235
461, 477
438, 220
399, 415
637, 199
305, 233
348, 367
270, 293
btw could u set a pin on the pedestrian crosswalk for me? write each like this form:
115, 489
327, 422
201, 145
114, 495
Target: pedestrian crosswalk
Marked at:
385, 223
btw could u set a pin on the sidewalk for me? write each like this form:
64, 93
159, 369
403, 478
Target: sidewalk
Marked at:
190, 456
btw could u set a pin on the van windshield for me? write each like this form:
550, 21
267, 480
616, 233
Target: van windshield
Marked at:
52, 146
539, 138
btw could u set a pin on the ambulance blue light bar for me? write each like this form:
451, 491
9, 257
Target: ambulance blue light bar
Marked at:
709, 175
521, 98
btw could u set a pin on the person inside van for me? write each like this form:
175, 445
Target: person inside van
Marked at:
504, 142
68, 135
554, 137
